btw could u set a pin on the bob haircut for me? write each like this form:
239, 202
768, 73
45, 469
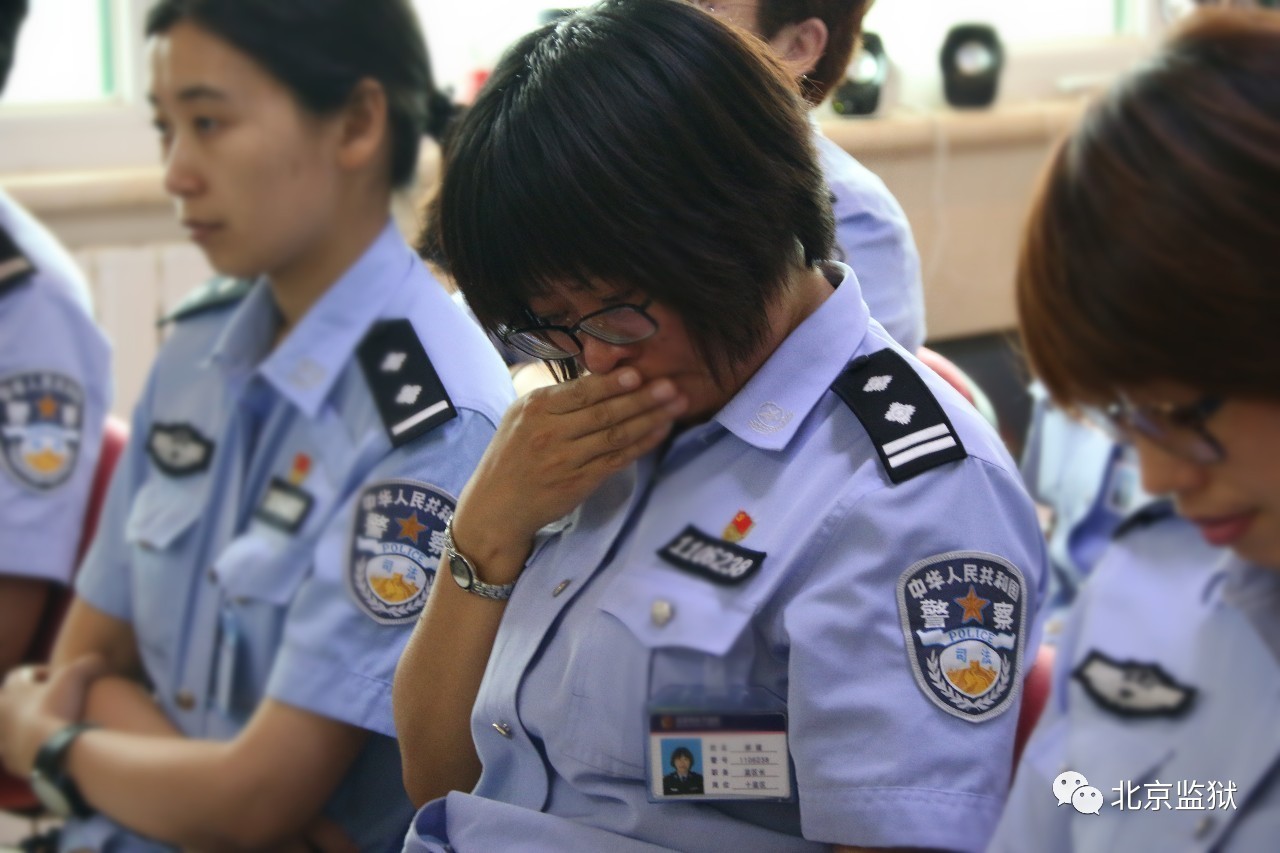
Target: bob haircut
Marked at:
321, 49
844, 27
1151, 253
681, 752
12, 13
635, 144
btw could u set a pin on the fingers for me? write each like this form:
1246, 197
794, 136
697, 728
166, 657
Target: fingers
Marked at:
633, 429
569, 397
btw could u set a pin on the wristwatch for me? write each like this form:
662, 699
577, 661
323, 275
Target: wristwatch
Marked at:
465, 574
51, 785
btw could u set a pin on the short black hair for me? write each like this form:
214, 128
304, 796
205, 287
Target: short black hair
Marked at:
321, 49
681, 752
12, 13
636, 143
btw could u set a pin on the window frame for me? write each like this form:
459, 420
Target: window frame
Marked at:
51, 139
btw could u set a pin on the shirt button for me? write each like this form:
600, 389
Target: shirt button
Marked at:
503, 729
212, 576
1204, 826
560, 587
662, 612
185, 700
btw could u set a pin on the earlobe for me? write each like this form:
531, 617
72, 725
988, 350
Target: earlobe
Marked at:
364, 124
800, 45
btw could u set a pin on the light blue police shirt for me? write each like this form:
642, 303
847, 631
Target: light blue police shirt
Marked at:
229, 442
587, 639
874, 237
1090, 485
1165, 698
55, 391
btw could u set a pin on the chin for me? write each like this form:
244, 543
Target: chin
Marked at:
1262, 551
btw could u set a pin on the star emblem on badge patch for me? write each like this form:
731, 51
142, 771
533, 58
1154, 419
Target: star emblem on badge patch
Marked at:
393, 362
973, 605
877, 383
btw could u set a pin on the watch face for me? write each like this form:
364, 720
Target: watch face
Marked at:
50, 795
460, 570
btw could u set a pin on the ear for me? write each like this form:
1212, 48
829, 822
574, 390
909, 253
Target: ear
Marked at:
800, 45
365, 131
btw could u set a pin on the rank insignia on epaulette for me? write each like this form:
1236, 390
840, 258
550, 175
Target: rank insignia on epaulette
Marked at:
907, 424
41, 425
396, 544
179, 450
1132, 689
214, 293
409, 394
964, 617
14, 265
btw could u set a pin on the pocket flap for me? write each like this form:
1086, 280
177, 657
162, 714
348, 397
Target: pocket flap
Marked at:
263, 565
665, 608
163, 510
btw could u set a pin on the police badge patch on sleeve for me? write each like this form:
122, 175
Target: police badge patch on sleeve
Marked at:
396, 545
41, 420
964, 616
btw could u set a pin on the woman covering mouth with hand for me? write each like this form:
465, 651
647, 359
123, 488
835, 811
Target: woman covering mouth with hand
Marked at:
754, 526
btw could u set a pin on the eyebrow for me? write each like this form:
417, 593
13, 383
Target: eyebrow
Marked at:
198, 92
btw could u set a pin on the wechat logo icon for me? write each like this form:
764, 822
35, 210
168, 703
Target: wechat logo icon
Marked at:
1072, 788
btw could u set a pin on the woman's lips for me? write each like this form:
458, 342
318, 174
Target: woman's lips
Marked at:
200, 231
1223, 530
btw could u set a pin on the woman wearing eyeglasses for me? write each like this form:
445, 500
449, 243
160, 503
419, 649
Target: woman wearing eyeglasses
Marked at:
1148, 289
753, 527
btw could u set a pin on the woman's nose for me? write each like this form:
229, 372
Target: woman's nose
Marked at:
601, 357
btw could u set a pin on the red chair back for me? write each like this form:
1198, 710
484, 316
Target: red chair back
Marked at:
961, 381
1035, 692
15, 796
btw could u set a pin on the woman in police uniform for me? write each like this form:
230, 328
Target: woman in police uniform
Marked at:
758, 527
276, 522
1148, 289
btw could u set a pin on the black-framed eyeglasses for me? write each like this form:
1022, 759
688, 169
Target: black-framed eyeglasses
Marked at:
1181, 430
616, 324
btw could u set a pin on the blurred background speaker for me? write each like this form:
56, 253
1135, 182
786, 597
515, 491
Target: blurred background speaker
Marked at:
859, 94
972, 58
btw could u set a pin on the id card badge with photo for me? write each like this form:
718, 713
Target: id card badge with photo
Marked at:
721, 745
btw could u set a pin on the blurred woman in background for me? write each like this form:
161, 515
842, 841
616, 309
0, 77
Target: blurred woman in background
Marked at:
1148, 290
815, 40
275, 524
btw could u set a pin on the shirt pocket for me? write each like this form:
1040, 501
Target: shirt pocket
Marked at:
653, 628
260, 573
162, 533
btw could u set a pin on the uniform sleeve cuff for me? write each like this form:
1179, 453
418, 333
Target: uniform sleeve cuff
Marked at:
33, 554
317, 684
901, 817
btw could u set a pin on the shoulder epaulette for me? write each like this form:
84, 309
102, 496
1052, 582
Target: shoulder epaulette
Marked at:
15, 266
1144, 517
907, 425
215, 293
410, 396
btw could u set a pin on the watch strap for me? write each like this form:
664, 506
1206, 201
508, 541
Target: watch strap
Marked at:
49, 762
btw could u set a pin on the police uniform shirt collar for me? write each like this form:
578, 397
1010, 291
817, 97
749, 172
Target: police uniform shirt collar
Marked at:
1255, 592
768, 410
304, 368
